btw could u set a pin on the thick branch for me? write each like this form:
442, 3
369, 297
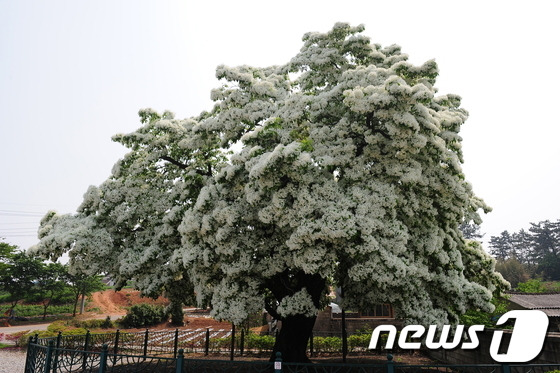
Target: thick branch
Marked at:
183, 166
173, 161
373, 123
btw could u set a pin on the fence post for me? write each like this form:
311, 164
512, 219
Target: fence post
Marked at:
103, 359
344, 337
180, 362
116, 346
278, 363
86, 348
30, 358
232, 341
48, 359
506, 368
146, 343
311, 345
390, 364
242, 342
176, 343
207, 345
56, 351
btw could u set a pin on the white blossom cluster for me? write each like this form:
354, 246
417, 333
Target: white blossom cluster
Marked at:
300, 303
349, 171
127, 227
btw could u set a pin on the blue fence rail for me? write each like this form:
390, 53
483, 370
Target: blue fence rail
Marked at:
57, 357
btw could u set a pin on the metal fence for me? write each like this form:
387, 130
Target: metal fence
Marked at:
50, 359
166, 342
165, 351
207, 341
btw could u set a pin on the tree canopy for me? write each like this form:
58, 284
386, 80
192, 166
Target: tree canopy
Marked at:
341, 167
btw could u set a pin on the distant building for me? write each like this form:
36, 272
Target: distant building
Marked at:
549, 303
330, 319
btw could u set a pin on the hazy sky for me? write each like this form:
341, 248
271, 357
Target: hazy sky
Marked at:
74, 73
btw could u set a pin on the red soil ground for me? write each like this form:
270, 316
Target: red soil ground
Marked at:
114, 304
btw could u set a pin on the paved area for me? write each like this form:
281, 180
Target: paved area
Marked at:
12, 361
19, 328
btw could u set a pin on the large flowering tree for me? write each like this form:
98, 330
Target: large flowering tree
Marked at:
346, 172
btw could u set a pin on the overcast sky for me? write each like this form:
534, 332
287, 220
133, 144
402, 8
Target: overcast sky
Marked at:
74, 73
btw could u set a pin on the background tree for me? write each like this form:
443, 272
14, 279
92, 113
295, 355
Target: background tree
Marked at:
538, 249
546, 248
346, 170
83, 285
471, 231
50, 287
513, 271
19, 276
502, 246
7, 251
522, 244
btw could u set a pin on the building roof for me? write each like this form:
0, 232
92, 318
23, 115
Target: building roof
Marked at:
549, 303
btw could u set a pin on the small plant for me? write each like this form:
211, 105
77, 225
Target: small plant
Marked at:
107, 323
22, 338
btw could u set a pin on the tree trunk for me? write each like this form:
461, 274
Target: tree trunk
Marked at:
295, 330
45, 307
83, 304
293, 338
75, 304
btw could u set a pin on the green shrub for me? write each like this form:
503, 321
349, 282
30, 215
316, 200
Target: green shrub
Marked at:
327, 344
220, 343
259, 342
251, 342
358, 342
141, 315
93, 324
58, 326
